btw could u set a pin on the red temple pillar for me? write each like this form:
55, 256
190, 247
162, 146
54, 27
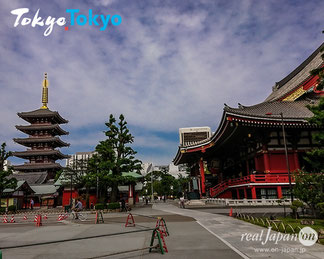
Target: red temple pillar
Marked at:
202, 174
130, 195
247, 167
256, 161
253, 192
245, 194
238, 194
266, 159
279, 191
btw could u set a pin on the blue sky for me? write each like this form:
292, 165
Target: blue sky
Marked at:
170, 64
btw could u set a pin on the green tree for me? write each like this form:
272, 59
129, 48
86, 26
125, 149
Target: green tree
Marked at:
5, 182
316, 157
78, 174
114, 156
309, 188
165, 184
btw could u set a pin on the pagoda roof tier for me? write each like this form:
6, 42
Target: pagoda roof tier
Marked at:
37, 166
28, 142
56, 129
54, 116
32, 153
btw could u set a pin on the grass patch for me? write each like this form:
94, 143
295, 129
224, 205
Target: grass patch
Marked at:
294, 223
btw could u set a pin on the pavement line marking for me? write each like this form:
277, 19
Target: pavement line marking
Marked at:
224, 241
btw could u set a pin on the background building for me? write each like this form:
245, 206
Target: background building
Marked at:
193, 135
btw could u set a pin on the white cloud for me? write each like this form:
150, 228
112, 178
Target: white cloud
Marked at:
166, 66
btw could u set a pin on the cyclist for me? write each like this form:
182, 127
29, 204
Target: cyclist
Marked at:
77, 208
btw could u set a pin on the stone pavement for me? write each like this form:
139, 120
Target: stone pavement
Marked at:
187, 239
229, 231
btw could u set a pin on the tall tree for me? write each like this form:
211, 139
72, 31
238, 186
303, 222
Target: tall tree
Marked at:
310, 185
78, 174
5, 182
115, 156
316, 157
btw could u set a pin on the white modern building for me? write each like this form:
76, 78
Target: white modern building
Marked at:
6, 164
79, 159
171, 169
193, 135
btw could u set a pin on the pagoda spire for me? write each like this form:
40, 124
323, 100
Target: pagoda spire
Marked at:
45, 92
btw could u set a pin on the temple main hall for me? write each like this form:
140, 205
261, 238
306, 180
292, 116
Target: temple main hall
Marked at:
246, 157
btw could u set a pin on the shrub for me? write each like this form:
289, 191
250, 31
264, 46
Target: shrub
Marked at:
100, 206
113, 205
320, 207
295, 205
2, 210
12, 208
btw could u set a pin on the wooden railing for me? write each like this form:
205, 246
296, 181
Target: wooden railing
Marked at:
253, 178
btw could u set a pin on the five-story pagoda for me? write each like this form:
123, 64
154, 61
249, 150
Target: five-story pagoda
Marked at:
42, 139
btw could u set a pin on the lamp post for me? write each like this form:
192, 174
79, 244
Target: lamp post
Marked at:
286, 153
152, 187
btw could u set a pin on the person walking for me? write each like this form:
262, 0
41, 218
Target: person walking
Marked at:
31, 204
123, 205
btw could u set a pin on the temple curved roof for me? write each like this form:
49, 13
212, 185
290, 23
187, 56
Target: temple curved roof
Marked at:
290, 110
42, 113
291, 96
31, 178
297, 77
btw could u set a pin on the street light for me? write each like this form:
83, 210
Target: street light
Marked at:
152, 186
286, 153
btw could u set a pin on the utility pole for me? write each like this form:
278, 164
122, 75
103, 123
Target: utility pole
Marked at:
97, 187
286, 153
287, 158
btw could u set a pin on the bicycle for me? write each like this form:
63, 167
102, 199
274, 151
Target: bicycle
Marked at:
81, 216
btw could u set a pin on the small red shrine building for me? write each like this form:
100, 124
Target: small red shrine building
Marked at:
245, 157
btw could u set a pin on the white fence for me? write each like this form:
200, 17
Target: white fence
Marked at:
247, 202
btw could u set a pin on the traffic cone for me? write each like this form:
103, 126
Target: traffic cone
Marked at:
35, 219
231, 212
161, 226
25, 217
45, 216
130, 222
5, 219
12, 220
60, 217
39, 220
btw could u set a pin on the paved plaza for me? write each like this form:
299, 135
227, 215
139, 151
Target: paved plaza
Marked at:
193, 234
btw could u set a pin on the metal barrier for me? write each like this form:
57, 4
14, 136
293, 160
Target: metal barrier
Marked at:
247, 202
